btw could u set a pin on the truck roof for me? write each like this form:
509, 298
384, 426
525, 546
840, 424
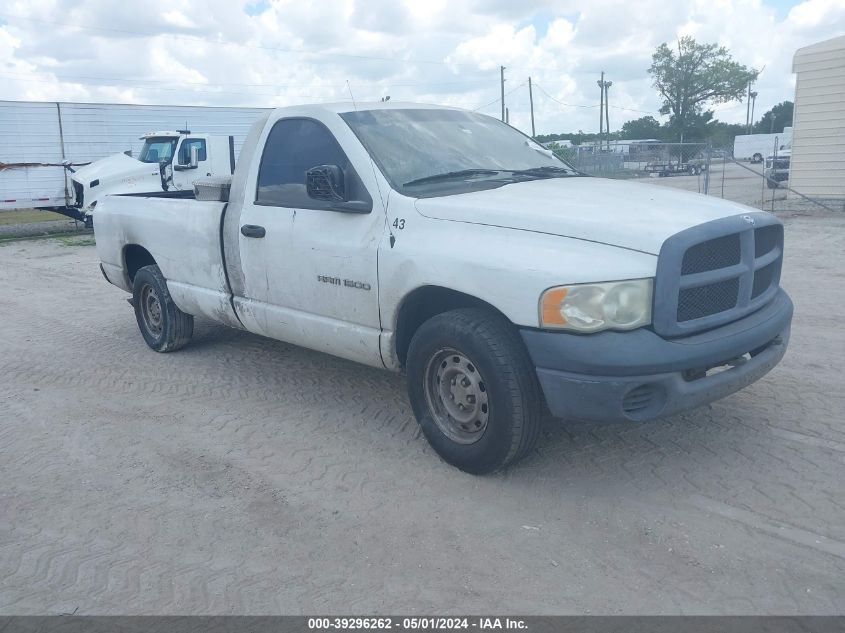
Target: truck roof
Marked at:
342, 107
159, 133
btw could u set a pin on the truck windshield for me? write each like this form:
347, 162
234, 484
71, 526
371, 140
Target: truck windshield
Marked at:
157, 149
434, 152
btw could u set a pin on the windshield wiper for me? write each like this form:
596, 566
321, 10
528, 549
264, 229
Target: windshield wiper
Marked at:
549, 171
449, 175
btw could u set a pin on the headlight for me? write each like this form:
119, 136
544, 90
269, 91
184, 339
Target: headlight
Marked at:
619, 305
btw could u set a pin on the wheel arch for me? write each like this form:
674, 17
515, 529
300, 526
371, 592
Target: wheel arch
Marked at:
135, 257
425, 302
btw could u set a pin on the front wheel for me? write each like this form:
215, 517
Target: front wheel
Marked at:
474, 390
165, 327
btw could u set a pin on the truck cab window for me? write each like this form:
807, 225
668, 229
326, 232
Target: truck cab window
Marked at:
185, 150
293, 147
156, 150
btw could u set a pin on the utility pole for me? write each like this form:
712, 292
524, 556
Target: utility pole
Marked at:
607, 85
603, 116
601, 108
748, 109
753, 103
531, 101
502, 77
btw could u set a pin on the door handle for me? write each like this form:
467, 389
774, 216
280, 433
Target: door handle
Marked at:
253, 230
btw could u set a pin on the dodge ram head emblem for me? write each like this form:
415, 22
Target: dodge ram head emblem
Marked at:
748, 219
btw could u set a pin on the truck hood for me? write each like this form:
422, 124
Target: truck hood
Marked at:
629, 215
112, 168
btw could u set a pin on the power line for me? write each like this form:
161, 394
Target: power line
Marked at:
497, 99
563, 103
192, 90
194, 38
594, 105
155, 82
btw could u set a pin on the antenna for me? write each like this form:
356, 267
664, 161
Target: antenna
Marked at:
349, 88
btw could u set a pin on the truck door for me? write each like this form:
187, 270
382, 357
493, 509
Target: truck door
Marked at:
309, 271
184, 174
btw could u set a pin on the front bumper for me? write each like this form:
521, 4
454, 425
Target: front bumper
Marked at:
638, 375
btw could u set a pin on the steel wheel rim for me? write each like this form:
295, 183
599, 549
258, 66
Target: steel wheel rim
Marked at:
151, 310
457, 396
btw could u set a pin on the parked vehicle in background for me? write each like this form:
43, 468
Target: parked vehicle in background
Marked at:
755, 147
450, 246
40, 140
168, 161
693, 167
777, 166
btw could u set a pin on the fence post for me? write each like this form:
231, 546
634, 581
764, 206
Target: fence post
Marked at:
774, 163
707, 153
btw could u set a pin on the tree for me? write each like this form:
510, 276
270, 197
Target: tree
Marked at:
694, 75
642, 128
775, 119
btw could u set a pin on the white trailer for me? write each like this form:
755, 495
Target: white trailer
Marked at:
756, 147
37, 140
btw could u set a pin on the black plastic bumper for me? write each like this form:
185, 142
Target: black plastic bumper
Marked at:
638, 375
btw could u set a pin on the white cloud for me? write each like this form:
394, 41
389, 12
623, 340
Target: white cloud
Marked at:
278, 52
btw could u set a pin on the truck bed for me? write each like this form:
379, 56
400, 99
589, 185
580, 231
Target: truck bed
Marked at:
181, 235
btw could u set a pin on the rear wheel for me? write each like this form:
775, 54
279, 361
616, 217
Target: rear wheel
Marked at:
474, 390
165, 327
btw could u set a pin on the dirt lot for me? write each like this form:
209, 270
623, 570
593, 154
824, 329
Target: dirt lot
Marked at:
243, 475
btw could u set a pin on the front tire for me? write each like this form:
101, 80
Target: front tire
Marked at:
474, 390
165, 327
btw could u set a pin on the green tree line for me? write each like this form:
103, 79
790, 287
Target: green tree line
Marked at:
689, 76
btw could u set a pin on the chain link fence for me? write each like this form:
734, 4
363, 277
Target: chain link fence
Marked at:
701, 168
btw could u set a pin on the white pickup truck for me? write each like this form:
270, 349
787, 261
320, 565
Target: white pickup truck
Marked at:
450, 246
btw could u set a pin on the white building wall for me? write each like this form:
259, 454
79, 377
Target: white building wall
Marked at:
817, 166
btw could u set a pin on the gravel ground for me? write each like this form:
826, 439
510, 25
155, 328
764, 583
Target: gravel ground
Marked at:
244, 475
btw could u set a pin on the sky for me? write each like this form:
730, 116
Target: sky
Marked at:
265, 53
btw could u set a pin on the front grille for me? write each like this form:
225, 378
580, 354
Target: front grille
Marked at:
712, 254
702, 301
763, 279
767, 238
716, 273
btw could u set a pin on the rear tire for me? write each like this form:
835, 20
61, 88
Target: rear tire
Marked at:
165, 327
474, 390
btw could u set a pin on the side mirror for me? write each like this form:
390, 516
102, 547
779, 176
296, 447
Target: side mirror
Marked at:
193, 161
325, 183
